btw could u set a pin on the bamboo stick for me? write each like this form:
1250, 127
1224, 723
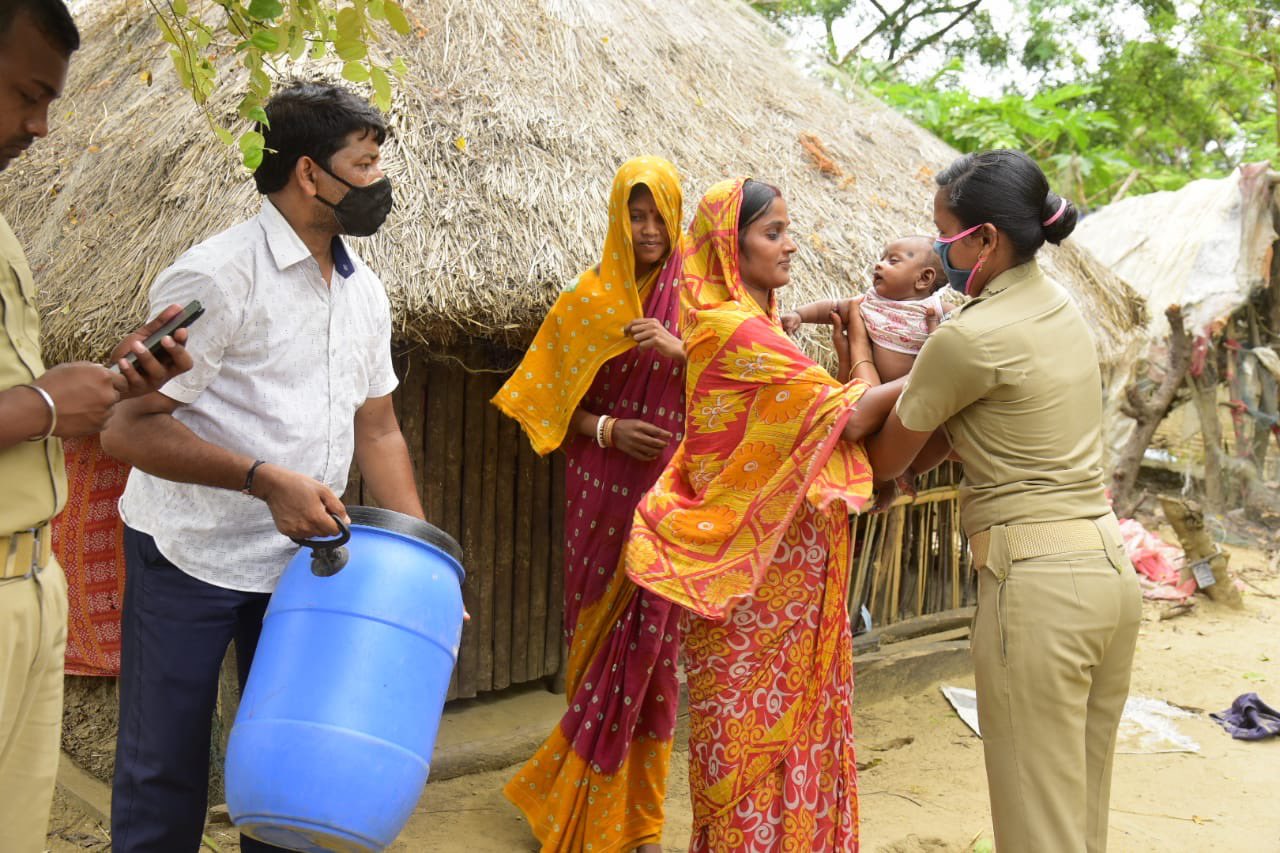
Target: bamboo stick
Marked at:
540, 610
522, 586
553, 653
475, 666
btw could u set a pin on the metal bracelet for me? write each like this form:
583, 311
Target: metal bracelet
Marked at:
53, 412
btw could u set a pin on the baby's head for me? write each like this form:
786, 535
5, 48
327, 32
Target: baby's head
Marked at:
908, 268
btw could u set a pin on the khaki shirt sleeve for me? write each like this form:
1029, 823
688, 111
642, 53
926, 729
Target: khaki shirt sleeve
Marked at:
951, 372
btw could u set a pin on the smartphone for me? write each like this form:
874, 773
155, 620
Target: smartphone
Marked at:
181, 320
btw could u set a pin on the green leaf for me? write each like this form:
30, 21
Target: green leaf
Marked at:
297, 43
166, 30
265, 10
349, 24
259, 115
179, 8
224, 135
266, 40
399, 68
319, 49
253, 159
381, 88
356, 72
249, 140
350, 50
396, 17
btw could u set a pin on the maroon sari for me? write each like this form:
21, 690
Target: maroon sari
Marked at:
600, 778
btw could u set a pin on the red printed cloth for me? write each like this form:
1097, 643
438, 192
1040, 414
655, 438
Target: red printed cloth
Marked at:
87, 539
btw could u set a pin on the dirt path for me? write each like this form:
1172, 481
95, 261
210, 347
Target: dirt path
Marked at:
923, 788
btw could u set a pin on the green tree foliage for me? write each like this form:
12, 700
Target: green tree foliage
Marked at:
262, 35
1111, 97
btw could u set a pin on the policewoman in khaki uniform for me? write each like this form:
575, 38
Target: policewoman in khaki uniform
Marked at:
1013, 381
37, 408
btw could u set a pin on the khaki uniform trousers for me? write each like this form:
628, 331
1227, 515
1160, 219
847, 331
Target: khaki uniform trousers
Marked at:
1053, 644
33, 639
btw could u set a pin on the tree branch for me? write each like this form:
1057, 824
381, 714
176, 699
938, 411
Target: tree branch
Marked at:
925, 42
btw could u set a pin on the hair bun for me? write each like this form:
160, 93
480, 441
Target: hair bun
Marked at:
1058, 218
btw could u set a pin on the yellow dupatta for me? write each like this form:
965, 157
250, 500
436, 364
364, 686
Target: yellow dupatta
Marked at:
762, 433
584, 328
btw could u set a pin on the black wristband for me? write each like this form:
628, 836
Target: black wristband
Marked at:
248, 478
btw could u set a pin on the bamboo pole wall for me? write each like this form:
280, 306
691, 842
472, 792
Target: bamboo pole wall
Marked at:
912, 559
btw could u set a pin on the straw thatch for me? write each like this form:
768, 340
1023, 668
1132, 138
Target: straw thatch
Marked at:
507, 130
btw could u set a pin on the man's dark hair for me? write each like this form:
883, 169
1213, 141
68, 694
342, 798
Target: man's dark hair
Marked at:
1008, 189
312, 120
50, 17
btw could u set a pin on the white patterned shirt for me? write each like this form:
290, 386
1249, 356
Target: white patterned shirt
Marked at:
282, 362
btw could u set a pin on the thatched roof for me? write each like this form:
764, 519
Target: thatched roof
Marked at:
507, 130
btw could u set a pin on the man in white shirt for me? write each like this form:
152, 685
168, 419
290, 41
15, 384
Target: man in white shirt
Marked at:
292, 375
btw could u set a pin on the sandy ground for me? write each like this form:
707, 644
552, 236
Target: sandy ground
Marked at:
922, 786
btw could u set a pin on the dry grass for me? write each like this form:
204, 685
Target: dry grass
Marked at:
506, 134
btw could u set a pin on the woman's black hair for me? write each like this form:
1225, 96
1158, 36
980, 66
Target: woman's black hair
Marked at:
1007, 189
312, 120
756, 198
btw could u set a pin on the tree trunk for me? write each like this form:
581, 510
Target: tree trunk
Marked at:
1188, 522
1267, 395
1147, 413
1204, 393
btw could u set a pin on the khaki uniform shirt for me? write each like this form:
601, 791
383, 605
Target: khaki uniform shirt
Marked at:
1014, 378
33, 476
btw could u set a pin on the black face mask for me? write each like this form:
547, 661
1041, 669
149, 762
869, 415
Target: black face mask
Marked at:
362, 210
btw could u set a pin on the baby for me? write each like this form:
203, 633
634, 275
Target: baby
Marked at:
907, 301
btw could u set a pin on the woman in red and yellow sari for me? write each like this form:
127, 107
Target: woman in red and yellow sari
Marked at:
607, 369
747, 530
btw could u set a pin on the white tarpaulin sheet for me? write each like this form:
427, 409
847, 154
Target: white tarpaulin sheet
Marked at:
1206, 246
1147, 726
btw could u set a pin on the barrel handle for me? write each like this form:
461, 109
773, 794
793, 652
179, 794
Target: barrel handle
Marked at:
342, 538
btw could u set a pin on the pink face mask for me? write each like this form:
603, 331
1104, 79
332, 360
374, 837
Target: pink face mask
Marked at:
958, 279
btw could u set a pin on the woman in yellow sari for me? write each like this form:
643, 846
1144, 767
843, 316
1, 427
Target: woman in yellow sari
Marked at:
607, 370
747, 529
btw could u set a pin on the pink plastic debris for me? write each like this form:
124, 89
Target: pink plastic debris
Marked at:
1157, 560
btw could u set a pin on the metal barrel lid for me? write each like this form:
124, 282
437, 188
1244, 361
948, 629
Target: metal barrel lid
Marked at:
398, 522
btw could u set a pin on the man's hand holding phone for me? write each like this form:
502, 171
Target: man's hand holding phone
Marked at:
143, 361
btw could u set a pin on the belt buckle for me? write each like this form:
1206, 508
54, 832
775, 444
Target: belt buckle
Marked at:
37, 547
33, 567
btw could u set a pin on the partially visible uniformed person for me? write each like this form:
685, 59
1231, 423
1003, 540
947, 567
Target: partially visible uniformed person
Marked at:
37, 408
1013, 380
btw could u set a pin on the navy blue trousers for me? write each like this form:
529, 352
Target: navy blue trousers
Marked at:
175, 632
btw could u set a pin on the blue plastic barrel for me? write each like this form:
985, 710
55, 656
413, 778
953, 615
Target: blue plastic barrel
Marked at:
332, 743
